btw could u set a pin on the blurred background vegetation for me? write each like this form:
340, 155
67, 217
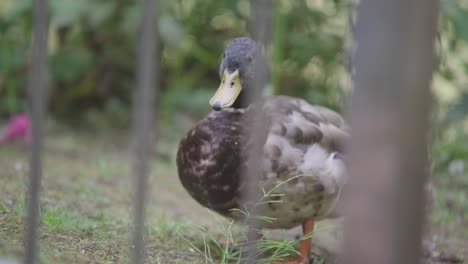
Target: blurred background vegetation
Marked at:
92, 52
92, 61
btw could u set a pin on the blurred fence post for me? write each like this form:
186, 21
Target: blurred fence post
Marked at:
37, 92
143, 120
390, 119
260, 31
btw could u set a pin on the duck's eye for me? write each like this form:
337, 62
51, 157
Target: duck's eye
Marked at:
224, 55
223, 81
232, 83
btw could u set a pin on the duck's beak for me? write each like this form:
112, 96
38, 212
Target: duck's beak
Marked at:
227, 92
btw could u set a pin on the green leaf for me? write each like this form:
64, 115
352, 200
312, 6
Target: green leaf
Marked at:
69, 64
3, 207
65, 12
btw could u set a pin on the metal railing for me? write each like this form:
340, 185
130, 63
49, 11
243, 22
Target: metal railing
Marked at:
394, 60
260, 30
37, 88
143, 118
389, 119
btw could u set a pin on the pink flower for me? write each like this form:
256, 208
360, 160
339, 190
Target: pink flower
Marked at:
17, 128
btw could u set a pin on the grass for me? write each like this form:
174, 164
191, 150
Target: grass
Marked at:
86, 208
448, 221
85, 204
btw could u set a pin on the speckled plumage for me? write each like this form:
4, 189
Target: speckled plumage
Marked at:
300, 161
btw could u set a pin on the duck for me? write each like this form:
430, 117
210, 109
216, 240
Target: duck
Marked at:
301, 159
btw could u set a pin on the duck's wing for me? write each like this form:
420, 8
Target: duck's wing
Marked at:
295, 126
303, 124
308, 140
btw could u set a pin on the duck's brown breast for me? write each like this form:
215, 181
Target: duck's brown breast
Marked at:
209, 161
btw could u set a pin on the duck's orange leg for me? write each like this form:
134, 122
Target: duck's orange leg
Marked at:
304, 247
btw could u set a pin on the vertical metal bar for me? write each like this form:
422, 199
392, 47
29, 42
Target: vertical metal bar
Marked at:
260, 31
37, 92
147, 74
390, 116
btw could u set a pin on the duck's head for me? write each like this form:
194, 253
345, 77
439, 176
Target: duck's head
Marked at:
241, 62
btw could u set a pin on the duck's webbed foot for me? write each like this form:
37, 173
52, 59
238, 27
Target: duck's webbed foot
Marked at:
304, 248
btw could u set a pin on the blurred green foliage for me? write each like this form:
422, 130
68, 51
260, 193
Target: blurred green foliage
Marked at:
450, 87
92, 51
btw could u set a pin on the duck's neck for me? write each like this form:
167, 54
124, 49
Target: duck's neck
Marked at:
245, 99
